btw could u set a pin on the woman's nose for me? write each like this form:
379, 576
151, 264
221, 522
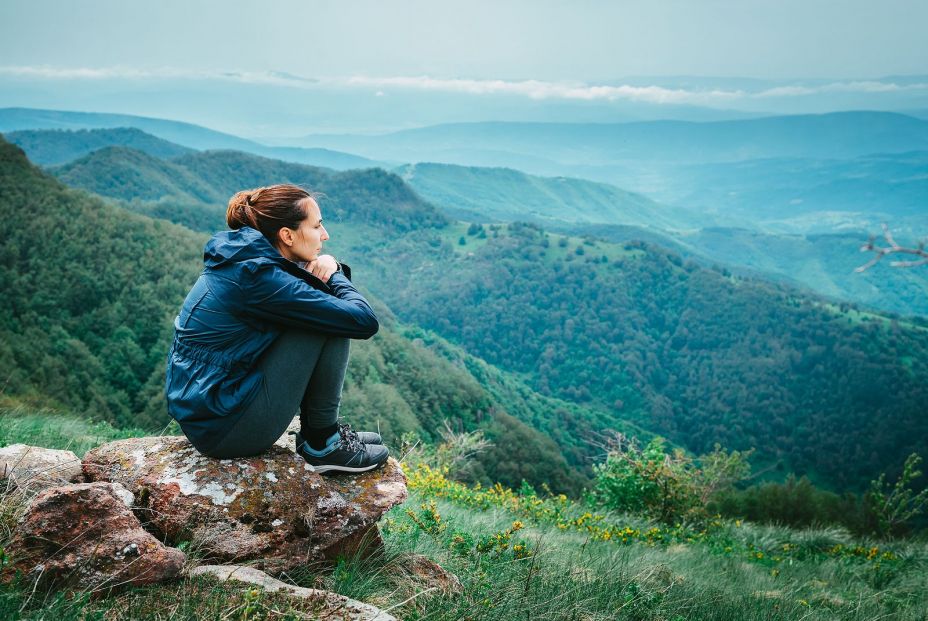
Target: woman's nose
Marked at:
325, 234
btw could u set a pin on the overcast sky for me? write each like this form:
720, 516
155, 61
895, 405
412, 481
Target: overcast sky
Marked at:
591, 41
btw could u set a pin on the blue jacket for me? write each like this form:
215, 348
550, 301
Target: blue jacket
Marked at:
246, 296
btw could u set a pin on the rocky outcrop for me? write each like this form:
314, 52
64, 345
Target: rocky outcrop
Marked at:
327, 605
84, 536
271, 511
33, 468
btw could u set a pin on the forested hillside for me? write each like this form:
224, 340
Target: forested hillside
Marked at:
53, 147
628, 331
792, 220
707, 357
823, 263
90, 291
488, 194
756, 205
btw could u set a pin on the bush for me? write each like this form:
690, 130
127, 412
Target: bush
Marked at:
795, 503
894, 507
668, 486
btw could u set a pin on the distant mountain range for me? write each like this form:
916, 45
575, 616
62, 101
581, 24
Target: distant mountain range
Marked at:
821, 260
54, 147
503, 194
184, 134
797, 220
817, 174
834, 135
283, 105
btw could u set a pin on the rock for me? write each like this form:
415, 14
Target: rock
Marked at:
429, 574
287, 439
331, 605
34, 468
271, 511
84, 536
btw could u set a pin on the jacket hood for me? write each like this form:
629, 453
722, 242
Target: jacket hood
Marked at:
227, 247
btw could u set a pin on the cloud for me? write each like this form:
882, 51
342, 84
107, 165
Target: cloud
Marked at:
865, 86
537, 89
532, 89
276, 78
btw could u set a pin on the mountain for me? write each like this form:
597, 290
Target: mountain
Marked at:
834, 135
821, 261
127, 173
87, 321
631, 331
184, 134
694, 353
53, 147
806, 194
488, 194
206, 180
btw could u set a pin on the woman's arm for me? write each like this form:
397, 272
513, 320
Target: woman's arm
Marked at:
277, 296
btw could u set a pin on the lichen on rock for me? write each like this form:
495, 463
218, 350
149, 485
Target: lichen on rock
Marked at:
271, 511
84, 536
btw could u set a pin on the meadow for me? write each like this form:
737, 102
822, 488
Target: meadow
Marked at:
521, 554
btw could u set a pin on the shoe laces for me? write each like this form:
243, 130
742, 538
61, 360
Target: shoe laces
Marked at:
350, 440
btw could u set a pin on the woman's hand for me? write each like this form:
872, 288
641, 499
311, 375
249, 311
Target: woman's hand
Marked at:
322, 267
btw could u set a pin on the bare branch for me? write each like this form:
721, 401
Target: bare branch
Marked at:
893, 247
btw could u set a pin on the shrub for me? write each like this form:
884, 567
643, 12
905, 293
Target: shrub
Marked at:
893, 507
668, 486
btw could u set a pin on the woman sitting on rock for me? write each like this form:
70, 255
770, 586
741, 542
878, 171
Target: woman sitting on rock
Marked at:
264, 332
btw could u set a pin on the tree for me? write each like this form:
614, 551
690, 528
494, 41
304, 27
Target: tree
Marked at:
893, 506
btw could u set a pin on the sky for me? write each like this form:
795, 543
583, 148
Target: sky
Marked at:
509, 40
289, 67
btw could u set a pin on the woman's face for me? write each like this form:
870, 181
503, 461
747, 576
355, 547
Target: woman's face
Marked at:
305, 243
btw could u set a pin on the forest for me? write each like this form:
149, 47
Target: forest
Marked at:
628, 335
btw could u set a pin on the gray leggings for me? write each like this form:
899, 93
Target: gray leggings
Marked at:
302, 370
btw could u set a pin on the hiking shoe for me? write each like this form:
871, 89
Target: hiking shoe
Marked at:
364, 437
343, 454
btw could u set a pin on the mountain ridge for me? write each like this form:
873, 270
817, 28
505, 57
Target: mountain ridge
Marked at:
185, 134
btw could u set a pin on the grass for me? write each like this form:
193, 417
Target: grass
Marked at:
567, 576
522, 556
53, 429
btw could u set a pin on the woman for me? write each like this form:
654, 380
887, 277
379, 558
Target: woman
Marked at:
264, 332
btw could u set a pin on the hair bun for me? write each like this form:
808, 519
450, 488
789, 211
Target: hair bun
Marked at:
267, 208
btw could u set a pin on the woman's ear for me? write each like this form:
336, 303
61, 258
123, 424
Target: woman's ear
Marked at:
285, 236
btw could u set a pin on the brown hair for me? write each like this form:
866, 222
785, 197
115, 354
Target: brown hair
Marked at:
268, 209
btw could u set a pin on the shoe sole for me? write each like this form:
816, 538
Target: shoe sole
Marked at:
333, 468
